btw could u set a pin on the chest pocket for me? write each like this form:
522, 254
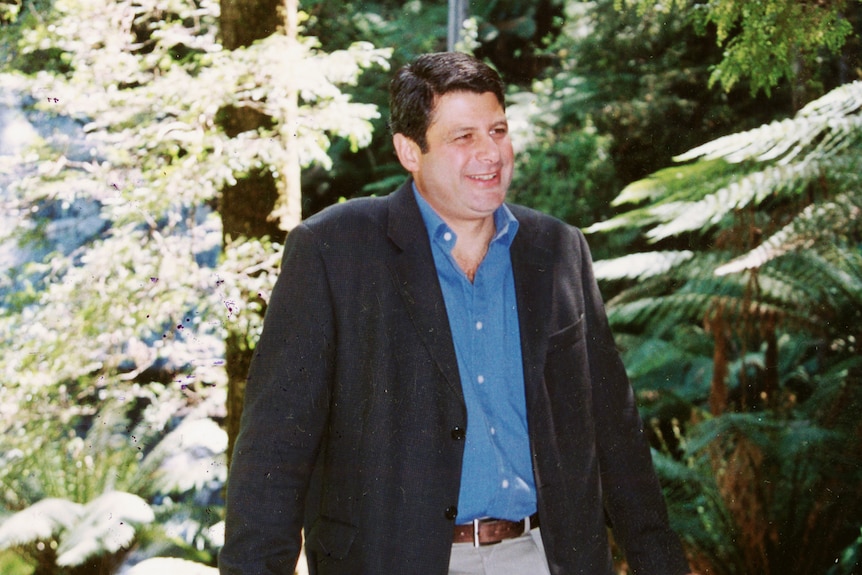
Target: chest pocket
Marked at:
566, 337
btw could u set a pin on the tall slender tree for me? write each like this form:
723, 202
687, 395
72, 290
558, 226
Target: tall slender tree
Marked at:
257, 205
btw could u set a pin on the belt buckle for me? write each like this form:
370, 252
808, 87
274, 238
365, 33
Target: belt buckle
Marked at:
476, 543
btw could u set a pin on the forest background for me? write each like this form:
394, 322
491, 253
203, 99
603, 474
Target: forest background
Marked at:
154, 153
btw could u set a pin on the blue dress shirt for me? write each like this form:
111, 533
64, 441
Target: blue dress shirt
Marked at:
497, 474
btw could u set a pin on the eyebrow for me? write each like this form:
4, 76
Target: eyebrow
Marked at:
466, 128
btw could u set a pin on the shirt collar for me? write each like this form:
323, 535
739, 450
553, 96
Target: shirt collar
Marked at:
504, 221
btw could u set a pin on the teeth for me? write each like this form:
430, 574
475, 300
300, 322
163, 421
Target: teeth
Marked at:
485, 178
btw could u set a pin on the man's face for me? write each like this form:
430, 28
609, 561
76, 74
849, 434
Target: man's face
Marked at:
467, 168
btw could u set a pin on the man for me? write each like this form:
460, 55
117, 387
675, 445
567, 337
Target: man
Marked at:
436, 389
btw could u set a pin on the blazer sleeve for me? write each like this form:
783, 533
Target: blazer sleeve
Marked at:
284, 418
633, 497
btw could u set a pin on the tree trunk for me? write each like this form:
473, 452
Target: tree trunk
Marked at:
288, 208
244, 21
248, 208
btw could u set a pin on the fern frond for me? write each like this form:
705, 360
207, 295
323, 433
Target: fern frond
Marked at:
841, 101
107, 524
189, 457
766, 142
786, 139
668, 183
662, 313
41, 521
677, 365
815, 224
668, 191
787, 331
697, 511
743, 190
640, 266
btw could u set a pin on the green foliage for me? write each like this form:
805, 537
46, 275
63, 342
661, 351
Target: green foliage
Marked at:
137, 295
82, 498
13, 564
637, 85
786, 483
113, 336
410, 28
581, 174
764, 42
625, 95
748, 339
783, 159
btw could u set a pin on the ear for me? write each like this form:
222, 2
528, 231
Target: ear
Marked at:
408, 152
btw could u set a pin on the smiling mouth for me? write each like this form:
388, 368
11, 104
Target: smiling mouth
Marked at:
485, 178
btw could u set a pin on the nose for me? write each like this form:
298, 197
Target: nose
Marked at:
488, 149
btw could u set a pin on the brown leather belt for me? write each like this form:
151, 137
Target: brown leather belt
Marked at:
490, 531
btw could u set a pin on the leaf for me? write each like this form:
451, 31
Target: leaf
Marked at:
639, 266
802, 233
191, 456
42, 521
784, 140
107, 524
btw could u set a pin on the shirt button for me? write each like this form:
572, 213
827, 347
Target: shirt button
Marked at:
447, 236
481, 379
451, 513
458, 433
479, 325
505, 484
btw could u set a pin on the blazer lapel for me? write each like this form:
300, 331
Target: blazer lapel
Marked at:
416, 278
532, 265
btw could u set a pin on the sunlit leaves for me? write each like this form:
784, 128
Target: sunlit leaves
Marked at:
105, 525
764, 41
40, 522
640, 265
130, 317
159, 159
778, 160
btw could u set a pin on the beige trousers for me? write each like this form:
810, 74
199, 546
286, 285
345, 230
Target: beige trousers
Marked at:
524, 555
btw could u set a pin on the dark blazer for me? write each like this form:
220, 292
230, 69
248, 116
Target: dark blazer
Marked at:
354, 411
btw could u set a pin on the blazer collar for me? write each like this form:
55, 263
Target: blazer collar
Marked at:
416, 279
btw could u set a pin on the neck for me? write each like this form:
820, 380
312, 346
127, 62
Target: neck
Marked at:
472, 245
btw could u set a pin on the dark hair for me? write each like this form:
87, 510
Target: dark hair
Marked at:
415, 87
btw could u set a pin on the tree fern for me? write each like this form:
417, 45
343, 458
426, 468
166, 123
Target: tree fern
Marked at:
802, 174
749, 308
71, 534
106, 525
41, 521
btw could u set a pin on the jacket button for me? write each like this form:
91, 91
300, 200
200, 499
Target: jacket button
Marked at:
451, 513
458, 433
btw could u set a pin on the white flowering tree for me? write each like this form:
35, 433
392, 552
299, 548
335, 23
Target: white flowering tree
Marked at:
117, 293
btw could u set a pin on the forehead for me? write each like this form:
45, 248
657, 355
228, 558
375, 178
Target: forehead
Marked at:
461, 107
